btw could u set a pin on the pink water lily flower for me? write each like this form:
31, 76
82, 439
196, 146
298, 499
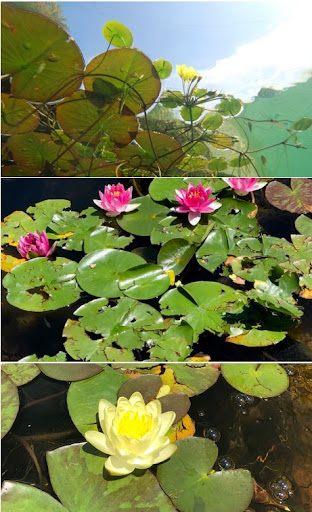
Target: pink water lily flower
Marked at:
195, 201
115, 200
242, 186
35, 244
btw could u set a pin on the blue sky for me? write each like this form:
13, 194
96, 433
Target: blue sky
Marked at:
238, 47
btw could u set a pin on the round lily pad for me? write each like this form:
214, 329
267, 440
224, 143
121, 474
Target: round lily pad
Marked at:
117, 34
188, 480
104, 237
147, 385
262, 380
130, 71
161, 189
20, 374
17, 496
296, 199
45, 63
69, 371
143, 220
9, 403
42, 285
163, 68
17, 116
175, 255
99, 271
144, 282
176, 402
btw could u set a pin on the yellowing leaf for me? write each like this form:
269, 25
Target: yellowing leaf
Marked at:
306, 293
168, 378
9, 262
184, 428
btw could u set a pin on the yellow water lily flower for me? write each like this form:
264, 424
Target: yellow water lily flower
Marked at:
186, 73
134, 434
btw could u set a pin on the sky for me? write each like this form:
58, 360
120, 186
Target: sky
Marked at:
237, 46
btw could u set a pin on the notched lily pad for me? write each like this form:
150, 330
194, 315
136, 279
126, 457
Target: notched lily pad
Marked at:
9, 403
42, 285
142, 221
69, 371
144, 281
105, 237
297, 199
262, 380
147, 385
177, 402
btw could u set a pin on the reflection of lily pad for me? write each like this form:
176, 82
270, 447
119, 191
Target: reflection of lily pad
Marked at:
263, 380
69, 371
17, 496
297, 199
187, 479
9, 403
99, 271
20, 373
42, 285
85, 484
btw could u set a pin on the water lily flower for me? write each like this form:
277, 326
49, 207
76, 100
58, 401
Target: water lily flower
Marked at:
187, 74
242, 186
115, 200
35, 244
195, 201
134, 434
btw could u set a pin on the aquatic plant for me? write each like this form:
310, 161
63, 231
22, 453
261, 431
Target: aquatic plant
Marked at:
195, 201
64, 118
115, 200
34, 245
243, 186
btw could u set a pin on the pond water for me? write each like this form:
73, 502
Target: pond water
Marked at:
269, 437
25, 333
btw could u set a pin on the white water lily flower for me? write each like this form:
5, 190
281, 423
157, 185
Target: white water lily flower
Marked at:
134, 434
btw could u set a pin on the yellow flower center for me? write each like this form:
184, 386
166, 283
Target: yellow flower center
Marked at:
116, 193
196, 194
134, 425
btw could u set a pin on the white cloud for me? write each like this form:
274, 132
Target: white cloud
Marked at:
279, 59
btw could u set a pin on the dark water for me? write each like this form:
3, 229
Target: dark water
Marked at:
272, 438
25, 333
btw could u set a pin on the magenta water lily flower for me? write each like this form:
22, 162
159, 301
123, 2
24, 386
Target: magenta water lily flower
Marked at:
35, 244
243, 186
115, 200
195, 201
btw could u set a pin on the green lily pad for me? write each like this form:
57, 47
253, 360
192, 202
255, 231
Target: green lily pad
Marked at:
296, 199
117, 34
59, 357
104, 237
87, 116
237, 214
142, 221
191, 114
86, 483
130, 71
153, 151
302, 124
83, 397
262, 380
69, 371
274, 297
229, 107
175, 255
214, 251
173, 227
144, 281
304, 225
17, 116
20, 374
257, 338
9, 403
17, 496
42, 285
187, 479
45, 63
99, 271
197, 377
212, 122
163, 68
79, 224
161, 189
174, 344
217, 164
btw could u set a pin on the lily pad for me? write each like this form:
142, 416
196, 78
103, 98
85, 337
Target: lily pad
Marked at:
75, 226
163, 68
161, 189
194, 379
17, 496
69, 371
257, 338
9, 403
144, 281
262, 380
17, 116
212, 122
45, 63
297, 199
87, 116
142, 221
130, 71
174, 344
20, 374
86, 483
229, 107
173, 227
304, 225
274, 297
99, 271
188, 480
176, 402
175, 255
117, 34
83, 397
147, 385
104, 237
42, 285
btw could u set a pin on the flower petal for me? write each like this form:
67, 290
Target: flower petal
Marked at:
165, 453
98, 202
167, 419
118, 467
131, 207
194, 218
99, 441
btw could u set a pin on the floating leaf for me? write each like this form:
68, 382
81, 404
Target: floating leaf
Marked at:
220, 140
163, 68
181, 429
77, 225
257, 338
59, 357
142, 221
304, 225
86, 483
131, 72
9, 403
86, 116
175, 255
212, 122
117, 34
144, 281
229, 107
99, 271
20, 374
17, 116
45, 63
147, 385
192, 379
104, 237
188, 480
42, 285
17, 496
69, 371
240, 161
191, 114
297, 199
173, 227
174, 344
161, 189
302, 124
217, 164
274, 297
263, 380
9, 262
